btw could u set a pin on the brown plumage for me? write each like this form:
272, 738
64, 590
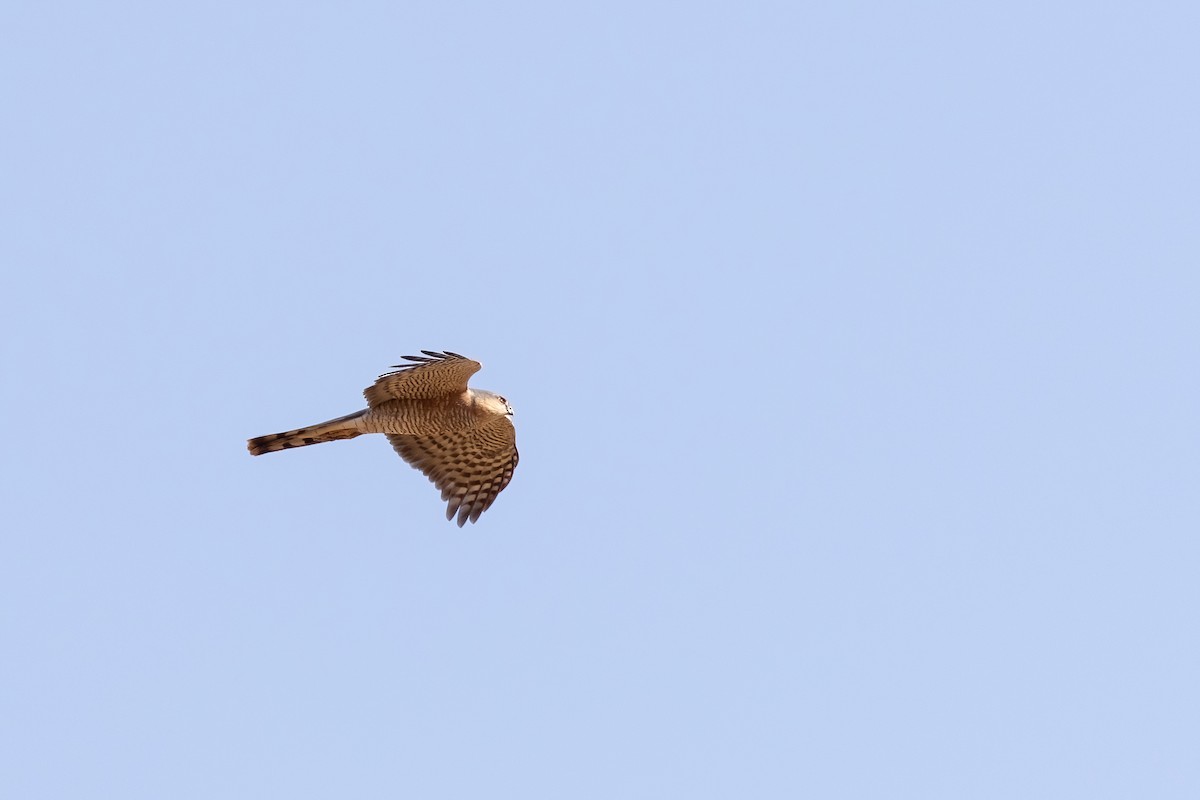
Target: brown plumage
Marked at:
462, 439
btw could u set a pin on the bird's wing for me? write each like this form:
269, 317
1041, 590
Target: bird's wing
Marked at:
430, 376
470, 466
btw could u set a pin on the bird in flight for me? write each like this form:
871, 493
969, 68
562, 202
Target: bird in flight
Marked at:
462, 439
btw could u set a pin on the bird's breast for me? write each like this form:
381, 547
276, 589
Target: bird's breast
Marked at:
418, 418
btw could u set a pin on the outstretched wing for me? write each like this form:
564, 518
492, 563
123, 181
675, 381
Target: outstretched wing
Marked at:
430, 376
470, 466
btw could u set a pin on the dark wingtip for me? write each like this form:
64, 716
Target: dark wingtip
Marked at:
430, 357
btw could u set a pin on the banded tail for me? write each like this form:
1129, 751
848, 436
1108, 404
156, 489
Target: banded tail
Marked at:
331, 431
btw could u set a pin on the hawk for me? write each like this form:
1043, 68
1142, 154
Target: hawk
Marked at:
462, 439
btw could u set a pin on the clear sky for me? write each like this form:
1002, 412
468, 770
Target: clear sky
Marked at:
854, 352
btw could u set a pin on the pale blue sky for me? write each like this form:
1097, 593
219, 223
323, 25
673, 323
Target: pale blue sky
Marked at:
854, 351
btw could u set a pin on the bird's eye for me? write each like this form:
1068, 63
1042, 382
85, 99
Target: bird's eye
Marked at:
502, 400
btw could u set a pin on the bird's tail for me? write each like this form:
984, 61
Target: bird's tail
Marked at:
331, 431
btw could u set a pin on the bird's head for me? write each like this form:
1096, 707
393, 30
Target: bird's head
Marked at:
491, 402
